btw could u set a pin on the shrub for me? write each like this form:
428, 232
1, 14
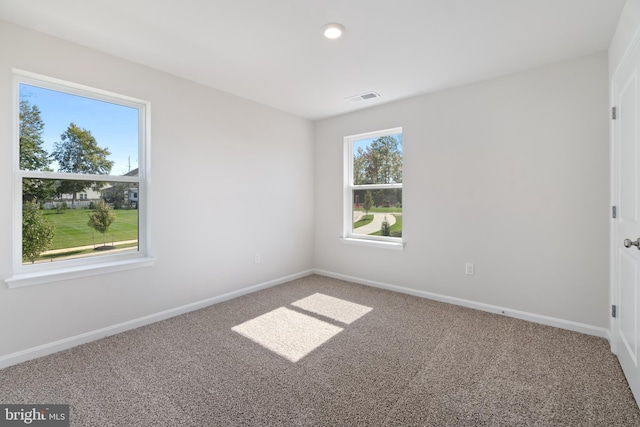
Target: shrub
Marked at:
37, 232
386, 228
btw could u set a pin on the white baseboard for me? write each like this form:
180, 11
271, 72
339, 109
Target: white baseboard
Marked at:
66, 343
531, 317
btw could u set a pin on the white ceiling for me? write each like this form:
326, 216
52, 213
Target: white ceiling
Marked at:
273, 51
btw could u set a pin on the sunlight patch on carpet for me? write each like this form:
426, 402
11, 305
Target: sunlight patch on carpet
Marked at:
288, 333
333, 308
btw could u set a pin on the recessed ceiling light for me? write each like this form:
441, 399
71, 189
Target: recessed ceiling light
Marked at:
333, 31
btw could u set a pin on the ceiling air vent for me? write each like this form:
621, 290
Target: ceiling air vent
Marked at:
362, 97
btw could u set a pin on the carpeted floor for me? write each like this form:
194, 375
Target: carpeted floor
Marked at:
380, 359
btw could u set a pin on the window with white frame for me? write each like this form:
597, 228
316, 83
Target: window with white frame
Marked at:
78, 153
373, 188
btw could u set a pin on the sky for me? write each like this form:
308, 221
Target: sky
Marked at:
364, 143
113, 126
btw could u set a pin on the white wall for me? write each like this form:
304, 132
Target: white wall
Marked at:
247, 170
511, 174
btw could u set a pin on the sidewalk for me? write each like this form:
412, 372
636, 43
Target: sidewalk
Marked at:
376, 224
82, 248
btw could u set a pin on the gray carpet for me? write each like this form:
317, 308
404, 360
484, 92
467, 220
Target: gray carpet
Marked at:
406, 362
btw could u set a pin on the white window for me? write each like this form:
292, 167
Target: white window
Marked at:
373, 189
74, 144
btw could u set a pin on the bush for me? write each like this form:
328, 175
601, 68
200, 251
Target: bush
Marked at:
61, 207
37, 232
385, 230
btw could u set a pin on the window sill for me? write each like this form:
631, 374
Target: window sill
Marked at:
56, 275
396, 246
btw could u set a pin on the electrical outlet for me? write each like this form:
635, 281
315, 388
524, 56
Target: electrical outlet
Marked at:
257, 258
469, 269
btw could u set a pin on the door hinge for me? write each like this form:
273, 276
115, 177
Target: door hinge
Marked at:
613, 311
614, 113
614, 212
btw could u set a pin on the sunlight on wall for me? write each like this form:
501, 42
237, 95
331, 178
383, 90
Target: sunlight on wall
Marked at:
292, 334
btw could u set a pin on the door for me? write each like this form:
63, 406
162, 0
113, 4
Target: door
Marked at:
625, 292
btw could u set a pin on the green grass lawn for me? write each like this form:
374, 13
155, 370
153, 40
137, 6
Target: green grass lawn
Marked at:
380, 209
386, 210
366, 219
72, 229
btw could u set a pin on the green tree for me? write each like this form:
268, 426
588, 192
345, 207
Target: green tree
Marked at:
32, 156
379, 197
101, 219
359, 166
37, 232
368, 202
78, 152
116, 194
380, 162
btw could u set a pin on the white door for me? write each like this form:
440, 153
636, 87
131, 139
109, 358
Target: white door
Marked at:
625, 294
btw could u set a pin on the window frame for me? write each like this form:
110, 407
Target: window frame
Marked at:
40, 273
395, 243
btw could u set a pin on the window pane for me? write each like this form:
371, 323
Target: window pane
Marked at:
65, 219
68, 133
378, 160
377, 212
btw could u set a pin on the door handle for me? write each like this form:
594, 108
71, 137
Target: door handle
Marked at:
628, 243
